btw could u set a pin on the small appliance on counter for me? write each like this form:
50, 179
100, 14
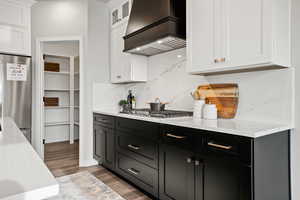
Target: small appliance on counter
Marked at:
199, 103
210, 111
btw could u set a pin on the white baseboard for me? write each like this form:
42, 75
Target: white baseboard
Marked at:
87, 163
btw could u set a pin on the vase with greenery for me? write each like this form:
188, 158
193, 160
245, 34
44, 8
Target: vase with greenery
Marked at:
124, 105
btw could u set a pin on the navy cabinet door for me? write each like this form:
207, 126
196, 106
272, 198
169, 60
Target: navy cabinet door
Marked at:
98, 135
177, 173
108, 147
104, 146
226, 180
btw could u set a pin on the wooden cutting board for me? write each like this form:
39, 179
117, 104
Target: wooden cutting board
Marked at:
225, 96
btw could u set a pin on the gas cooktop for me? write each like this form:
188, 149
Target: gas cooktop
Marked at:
161, 114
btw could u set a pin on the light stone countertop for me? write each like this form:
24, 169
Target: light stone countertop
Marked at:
250, 129
23, 175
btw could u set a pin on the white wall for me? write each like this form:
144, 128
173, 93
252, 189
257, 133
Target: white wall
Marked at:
97, 69
57, 18
89, 19
65, 48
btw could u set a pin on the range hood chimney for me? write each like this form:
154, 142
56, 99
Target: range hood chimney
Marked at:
156, 26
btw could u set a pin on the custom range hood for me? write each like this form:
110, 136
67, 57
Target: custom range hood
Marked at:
156, 26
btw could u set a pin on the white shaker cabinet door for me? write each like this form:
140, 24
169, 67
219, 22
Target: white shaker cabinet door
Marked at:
15, 29
117, 56
247, 32
125, 67
201, 44
225, 35
14, 40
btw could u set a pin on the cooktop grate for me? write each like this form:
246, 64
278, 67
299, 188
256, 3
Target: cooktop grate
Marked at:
161, 114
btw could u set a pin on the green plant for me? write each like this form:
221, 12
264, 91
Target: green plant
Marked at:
122, 102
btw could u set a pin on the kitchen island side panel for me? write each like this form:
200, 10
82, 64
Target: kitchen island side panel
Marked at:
272, 167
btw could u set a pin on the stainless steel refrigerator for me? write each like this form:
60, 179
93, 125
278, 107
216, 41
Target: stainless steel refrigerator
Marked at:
16, 90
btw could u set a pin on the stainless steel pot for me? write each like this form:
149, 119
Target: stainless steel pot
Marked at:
157, 106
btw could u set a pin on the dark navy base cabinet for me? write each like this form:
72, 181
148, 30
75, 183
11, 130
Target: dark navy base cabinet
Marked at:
176, 163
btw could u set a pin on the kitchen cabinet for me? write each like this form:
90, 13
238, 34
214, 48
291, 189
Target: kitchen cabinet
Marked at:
137, 153
125, 67
186, 174
230, 179
177, 174
235, 35
104, 143
108, 145
97, 138
141, 149
15, 28
174, 163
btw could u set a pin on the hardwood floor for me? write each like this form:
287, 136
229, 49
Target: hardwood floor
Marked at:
63, 159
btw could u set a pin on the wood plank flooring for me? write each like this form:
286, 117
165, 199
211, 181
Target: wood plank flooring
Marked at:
63, 159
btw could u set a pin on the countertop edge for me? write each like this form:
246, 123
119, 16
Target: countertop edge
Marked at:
257, 134
49, 187
37, 194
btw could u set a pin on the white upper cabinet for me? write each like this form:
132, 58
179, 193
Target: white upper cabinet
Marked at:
15, 29
124, 67
226, 35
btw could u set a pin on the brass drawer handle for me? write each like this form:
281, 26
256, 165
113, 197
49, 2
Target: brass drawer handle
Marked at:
219, 60
133, 171
175, 136
133, 147
219, 146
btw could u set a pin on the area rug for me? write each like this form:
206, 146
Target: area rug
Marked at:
84, 186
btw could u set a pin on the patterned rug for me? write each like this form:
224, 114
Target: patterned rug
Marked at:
84, 186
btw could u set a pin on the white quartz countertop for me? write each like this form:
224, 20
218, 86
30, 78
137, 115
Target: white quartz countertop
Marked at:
250, 129
23, 175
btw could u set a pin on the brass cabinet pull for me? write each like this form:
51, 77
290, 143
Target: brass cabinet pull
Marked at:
219, 146
219, 60
133, 171
133, 147
175, 136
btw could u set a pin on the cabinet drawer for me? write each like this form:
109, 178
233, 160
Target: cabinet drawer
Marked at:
104, 120
140, 128
141, 175
184, 137
228, 145
141, 149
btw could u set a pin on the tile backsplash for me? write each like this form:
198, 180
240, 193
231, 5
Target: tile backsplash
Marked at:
264, 95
